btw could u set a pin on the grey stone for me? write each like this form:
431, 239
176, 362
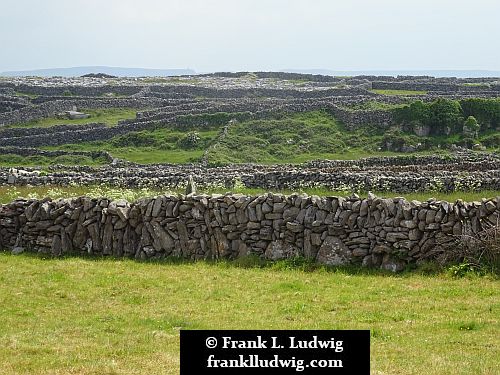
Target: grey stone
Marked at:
280, 250
17, 250
333, 252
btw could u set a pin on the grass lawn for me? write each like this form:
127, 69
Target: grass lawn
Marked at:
108, 116
88, 316
399, 92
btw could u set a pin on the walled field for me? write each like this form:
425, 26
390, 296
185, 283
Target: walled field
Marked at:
108, 116
95, 316
295, 138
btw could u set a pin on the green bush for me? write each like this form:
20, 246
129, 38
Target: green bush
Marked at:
486, 111
133, 139
445, 116
396, 140
491, 141
190, 140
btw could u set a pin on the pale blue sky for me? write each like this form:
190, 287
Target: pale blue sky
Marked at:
216, 35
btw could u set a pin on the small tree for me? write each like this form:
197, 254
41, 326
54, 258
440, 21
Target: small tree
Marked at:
471, 126
446, 116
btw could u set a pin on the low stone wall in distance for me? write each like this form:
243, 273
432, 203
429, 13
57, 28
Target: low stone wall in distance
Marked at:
373, 232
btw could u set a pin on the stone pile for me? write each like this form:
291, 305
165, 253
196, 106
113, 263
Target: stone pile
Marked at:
373, 232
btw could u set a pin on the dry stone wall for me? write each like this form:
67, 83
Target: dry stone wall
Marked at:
432, 86
73, 89
26, 151
375, 232
403, 174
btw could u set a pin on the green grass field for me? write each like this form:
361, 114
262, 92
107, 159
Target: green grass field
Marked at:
105, 316
164, 145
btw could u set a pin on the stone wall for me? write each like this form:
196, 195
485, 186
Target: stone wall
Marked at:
74, 90
461, 172
11, 103
26, 151
184, 91
432, 86
386, 233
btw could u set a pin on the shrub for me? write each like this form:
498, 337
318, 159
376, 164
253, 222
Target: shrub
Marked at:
190, 140
471, 126
474, 251
445, 116
491, 140
395, 140
133, 139
486, 111
466, 142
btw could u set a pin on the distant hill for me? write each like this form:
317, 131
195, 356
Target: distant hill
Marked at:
432, 73
115, 71
144, 72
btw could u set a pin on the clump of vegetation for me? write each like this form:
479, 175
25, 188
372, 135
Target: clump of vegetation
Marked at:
293, 139
397, 140
134, 139
190, 140
8, 194
474, 252
446, 117
486, 111
471, 126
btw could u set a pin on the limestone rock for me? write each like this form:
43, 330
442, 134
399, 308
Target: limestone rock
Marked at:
277, 250
333, 252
